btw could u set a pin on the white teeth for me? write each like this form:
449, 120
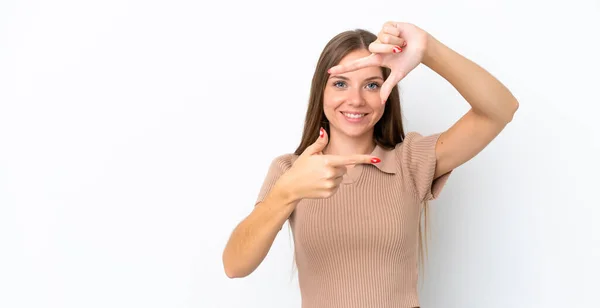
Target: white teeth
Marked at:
354, 115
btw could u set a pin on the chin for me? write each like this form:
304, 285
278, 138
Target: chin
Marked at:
354, 126
355, 133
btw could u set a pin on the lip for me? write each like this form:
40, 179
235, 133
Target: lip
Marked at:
354, 120
353, 112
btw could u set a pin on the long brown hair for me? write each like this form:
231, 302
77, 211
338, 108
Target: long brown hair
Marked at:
388, 131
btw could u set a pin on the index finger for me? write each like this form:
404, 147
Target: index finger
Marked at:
357, 64
338, 160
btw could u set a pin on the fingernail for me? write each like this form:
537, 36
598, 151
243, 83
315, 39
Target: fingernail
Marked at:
321, 132
375, 160
404, 44
397, 49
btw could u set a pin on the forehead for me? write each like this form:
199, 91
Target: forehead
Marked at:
355, 55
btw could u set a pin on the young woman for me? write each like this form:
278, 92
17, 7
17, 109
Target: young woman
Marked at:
355, 188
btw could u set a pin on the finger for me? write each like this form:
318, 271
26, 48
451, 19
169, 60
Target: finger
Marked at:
337, 181
384, 48
318, 145
371, 60
389, 85
401, 26
411, 32
340, 171
338, 160
390, 28
391, 40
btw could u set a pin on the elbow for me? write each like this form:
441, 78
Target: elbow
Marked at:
231, 274
512, 110
232, 271
509, 112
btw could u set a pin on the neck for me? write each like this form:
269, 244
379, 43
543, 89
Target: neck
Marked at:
340, 144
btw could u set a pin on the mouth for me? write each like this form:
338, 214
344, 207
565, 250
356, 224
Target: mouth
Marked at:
353, 116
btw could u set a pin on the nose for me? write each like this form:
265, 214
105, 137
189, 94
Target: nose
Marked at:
355, 98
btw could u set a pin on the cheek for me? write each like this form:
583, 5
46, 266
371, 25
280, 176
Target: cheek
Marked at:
329, 110
332, 100
376, 106
378, 110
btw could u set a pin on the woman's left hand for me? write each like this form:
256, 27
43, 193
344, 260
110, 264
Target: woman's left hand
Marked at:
399, 47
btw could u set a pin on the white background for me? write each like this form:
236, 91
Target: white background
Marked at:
134, 136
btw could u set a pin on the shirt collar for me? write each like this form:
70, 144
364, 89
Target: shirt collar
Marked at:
388, 159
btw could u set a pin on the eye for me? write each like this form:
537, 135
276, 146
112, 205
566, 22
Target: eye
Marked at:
373, 86
339, 84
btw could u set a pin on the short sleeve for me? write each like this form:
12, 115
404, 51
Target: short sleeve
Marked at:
278, 166
416, 157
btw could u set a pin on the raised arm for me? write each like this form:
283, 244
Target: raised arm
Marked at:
492, 106
402, 47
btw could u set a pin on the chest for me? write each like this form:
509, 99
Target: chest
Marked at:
372, 217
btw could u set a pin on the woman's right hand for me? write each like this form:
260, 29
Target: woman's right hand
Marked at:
317, 175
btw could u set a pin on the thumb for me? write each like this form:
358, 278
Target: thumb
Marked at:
319, 144
389, 84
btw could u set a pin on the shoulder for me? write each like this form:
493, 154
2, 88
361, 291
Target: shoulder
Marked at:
283, 162
416, 141
279, 165
416, 149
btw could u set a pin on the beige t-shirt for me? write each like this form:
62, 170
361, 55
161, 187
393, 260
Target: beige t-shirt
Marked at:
359, 248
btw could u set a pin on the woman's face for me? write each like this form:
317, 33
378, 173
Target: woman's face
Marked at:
351, 101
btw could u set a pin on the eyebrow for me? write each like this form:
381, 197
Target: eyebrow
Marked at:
346, 78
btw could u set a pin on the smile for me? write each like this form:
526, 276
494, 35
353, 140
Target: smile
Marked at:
354, 115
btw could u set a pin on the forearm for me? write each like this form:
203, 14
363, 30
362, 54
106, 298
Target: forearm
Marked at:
486, 95
252, 239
